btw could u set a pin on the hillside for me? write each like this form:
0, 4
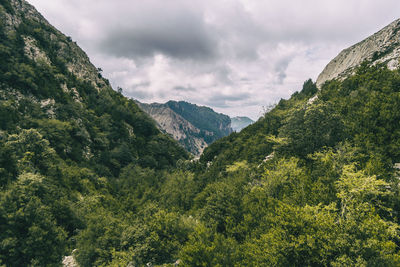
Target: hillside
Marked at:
307, 174
44, 70
66, 137
84, 172
194, 127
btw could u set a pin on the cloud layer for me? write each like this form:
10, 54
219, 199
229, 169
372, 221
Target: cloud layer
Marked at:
235, 56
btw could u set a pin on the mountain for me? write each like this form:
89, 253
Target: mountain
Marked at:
238, 123
45, 70
312, 168
381, 47
66, 140
194, 127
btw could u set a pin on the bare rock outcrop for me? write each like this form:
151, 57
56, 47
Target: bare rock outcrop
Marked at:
68, 52
381, 47
175, 125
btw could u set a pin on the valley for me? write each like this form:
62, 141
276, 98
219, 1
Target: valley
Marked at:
92, 177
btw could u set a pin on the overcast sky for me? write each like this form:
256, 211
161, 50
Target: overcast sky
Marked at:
235, 56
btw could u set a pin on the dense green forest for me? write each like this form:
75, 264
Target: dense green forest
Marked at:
311, 183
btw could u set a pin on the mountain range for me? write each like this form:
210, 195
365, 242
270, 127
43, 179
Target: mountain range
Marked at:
87, 177
194, 127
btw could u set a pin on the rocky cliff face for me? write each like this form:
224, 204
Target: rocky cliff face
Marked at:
176, 126
381, 47
192, 126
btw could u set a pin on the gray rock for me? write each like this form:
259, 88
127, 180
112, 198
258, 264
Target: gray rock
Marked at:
76, 60
381, 47
69, 261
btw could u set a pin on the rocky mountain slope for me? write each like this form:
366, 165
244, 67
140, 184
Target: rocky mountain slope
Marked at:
64, 51
381, 47
194, 127
43, 67
238, 123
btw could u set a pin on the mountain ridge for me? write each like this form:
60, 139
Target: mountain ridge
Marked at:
68, 52
381, 47
193, 126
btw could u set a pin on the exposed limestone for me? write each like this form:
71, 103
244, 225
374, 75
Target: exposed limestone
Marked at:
48, 105
69, 261
312, 100
34, 52
171, 122
269, 157
175, 125
381, 47
73, 91
75, 59
11, 22
130, 130
79, 64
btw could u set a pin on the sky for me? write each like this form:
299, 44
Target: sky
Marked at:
238, 57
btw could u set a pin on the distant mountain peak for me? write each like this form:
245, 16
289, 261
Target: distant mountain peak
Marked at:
381, 47
193, 126
240, 122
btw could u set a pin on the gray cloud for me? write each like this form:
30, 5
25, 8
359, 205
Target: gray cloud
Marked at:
281, 67
184, 88
223, 100
138, 94
138, 90
179, 37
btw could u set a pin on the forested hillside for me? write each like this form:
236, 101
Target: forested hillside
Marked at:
311, 183
66, 139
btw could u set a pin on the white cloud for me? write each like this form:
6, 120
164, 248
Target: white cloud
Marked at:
235, 56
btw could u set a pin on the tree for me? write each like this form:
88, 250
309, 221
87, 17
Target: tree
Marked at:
206, 248
28, 231
310, 129
32, 151
364, 237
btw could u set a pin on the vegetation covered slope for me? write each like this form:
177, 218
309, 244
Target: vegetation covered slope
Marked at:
311, 183
65, 137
